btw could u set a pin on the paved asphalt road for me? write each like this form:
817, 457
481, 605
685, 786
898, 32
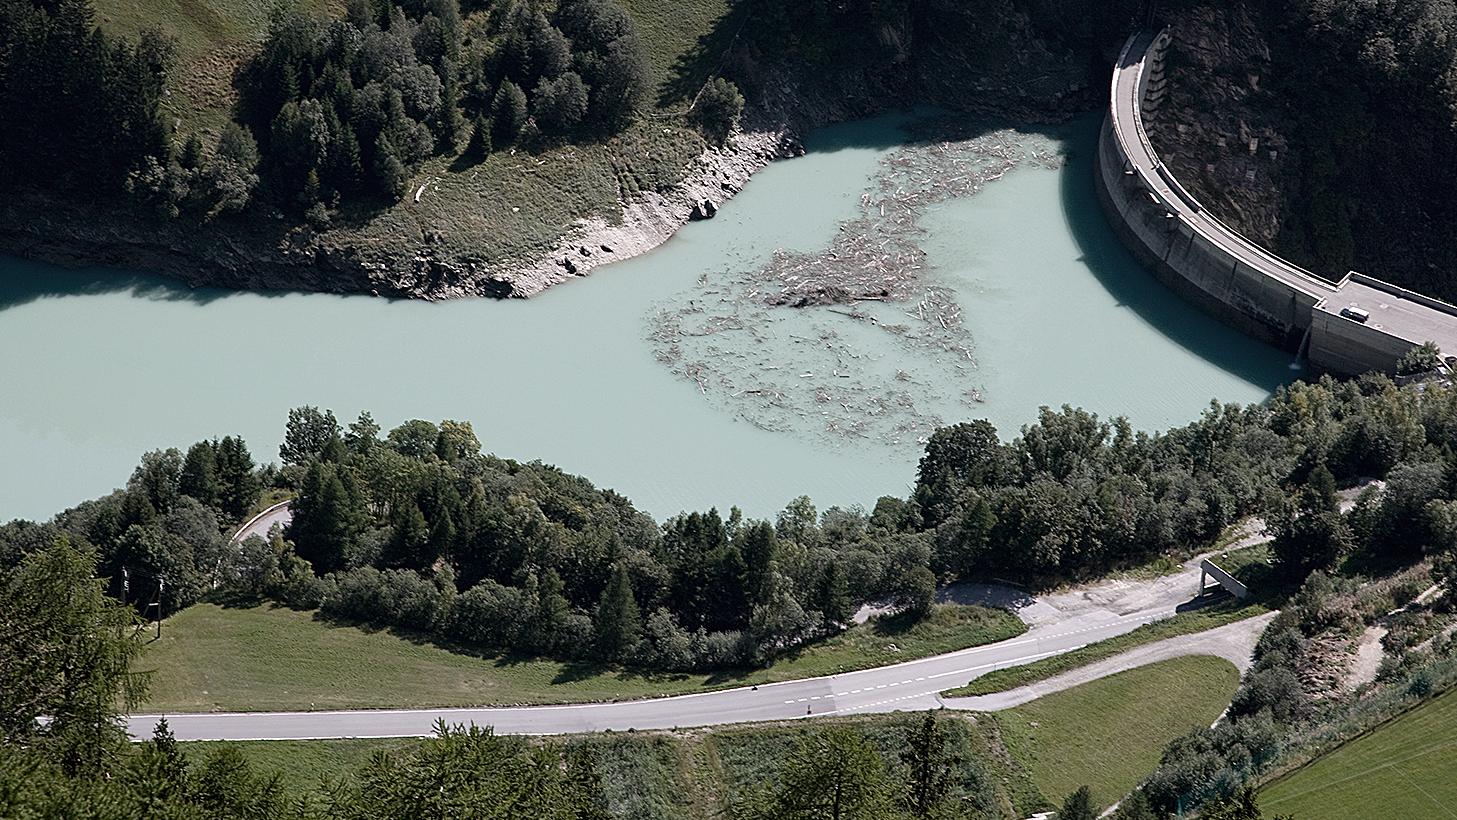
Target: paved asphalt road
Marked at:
1234, 642
1126, 117
261, 523
1058, 623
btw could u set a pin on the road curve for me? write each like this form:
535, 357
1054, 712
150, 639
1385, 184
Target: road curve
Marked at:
1234, 642
260, 524
1059, 623
1126, 118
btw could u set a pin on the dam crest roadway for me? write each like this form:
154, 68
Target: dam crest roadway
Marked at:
1231, 277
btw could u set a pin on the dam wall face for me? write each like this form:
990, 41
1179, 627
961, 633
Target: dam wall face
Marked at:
1190, 264
1352, 326
1339, 345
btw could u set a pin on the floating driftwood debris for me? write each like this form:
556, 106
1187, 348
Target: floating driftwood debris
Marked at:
755, 339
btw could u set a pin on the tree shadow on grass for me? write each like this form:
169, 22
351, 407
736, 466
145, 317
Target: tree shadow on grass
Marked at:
235, 599
704, 58
1373, 561
570, 670
893, 625
580, 670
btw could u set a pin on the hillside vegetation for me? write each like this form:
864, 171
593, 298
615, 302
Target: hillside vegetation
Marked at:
213, 658
1399, 770
213, 38
1106, 733
265, 123
1311, 125
1316, 126
431, 147
419, 530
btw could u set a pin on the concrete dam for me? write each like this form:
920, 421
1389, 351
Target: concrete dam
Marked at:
1349, 326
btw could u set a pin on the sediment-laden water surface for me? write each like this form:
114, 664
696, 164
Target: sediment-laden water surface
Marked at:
906, 272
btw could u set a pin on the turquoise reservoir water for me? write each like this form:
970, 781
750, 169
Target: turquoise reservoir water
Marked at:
100, 366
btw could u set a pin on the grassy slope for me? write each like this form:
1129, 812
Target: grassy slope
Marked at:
1108, 734
213, 37
211, 658
512, 206
1249, 565
508, 207
1403, 769
686, 775
684, 38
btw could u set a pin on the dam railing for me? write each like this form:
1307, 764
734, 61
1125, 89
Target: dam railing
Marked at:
1135, 145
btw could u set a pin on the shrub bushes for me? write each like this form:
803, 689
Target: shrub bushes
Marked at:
718, 109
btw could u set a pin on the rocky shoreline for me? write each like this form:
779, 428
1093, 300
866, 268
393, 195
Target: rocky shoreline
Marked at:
652, 218
42, 228
35, 226
265, 254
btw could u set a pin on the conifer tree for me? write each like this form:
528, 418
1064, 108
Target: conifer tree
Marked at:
238, 485
508, 114
759, 547
480, 139
411, 540
327, 518
929, 783
390, 174
832, 595
1078, 806
191, 157
618, 623
199, 477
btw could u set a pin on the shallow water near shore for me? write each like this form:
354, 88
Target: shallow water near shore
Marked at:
100, 366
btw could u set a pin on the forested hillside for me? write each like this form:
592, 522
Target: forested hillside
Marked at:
442, 148
419, 529
445, 148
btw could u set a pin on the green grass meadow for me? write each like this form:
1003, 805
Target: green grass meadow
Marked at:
512, 205
1405, 768
212, 658
1108, 734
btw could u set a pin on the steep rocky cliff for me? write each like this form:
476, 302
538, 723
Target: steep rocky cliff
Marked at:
1219, 127
1323, 131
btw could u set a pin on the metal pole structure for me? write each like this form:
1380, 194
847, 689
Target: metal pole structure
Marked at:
161, 585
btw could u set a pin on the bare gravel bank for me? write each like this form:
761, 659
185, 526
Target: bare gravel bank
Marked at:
652, 218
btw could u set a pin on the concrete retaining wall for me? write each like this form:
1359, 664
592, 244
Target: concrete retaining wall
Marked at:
1339, 345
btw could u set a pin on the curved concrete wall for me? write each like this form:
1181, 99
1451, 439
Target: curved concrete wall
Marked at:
1214, 266
1172, 234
